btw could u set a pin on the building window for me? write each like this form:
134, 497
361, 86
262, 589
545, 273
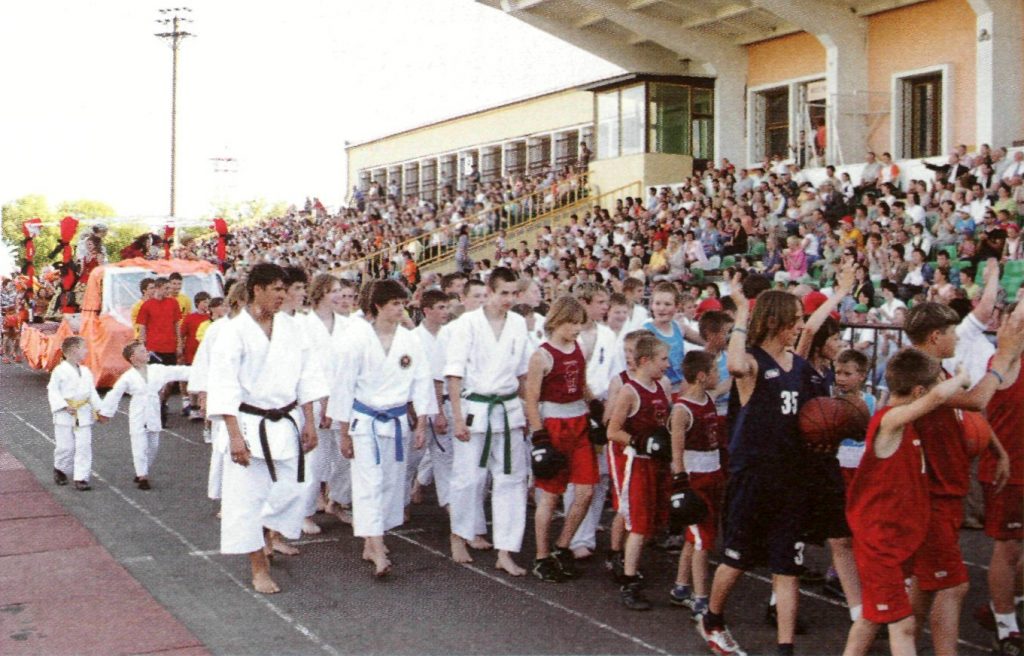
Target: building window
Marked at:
669, 119
539, 151
412, 179
567, 146
776, 122
490, 164
428, 178
364, 179
633, 119
608, 124
702, 110
380, 176
922, 115
515, 157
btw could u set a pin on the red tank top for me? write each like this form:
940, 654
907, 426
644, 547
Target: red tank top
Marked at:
564, 383
949, 468
705, 433
1006, 414
652, 413
887, 503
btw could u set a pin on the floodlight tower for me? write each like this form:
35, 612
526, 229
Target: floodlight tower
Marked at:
174, 18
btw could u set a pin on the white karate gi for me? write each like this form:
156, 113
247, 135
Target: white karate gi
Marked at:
144, 424
605, 361
322, 461
72, 433
439, 445
339, 482
246, 367
381, 381
198, 380
489, 366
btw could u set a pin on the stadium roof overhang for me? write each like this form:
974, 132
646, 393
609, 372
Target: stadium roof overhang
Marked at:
683, 37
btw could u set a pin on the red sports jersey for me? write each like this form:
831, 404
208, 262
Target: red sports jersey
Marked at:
949, 467
887, 504
565, 382
1006, 415
705, 433
190, 325
652, 413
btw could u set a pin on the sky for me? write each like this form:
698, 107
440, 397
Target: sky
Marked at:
279, 87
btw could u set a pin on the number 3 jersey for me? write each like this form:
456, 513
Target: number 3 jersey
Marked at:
764, 431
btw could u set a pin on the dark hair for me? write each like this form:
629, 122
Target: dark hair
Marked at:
754, 284
696, 362
500, 274
200, 297
925, 318
129, 348
145, 284
174, 276
383, 292
712, 321
909, 368
432, 297
294, 274
828, 328
216, 302
263, 275
853, 356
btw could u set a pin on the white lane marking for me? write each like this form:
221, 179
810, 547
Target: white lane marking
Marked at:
552, 604
262, 599
305, 541
977, 565
137, 559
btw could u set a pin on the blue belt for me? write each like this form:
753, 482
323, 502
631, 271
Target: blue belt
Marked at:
391, 414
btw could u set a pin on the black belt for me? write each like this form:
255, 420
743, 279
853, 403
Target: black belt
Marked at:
276, 415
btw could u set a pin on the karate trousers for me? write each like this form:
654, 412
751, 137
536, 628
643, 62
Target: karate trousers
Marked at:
251, 501
338, 468
145, 444
73, 451
378, 496
508, 495
442, 454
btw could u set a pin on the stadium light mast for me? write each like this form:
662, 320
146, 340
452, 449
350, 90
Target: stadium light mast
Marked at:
174, 18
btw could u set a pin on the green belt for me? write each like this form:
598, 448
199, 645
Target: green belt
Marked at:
492, 400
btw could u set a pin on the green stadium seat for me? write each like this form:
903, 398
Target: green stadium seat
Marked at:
728, 261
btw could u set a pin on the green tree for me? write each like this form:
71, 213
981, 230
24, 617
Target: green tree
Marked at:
15, 213
85, 209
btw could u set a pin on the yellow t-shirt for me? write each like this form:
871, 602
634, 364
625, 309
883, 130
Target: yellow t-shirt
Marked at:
201, 330
185, 304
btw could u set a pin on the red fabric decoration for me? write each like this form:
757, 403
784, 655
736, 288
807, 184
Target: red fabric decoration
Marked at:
168, 238
221, 226
30, 229
68, 227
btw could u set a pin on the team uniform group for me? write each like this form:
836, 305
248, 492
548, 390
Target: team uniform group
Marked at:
691, 429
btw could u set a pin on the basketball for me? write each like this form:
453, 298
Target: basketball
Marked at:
976, 431
825, 421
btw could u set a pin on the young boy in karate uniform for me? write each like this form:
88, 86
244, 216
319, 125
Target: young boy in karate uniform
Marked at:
486, 365
143, 382
439, 439
383, 368
73, 400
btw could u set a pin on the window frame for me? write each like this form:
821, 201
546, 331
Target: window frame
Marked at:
898, 146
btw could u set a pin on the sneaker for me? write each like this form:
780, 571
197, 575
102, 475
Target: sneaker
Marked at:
632, 596
771, 617
680, 595
834, 588
548, 570
1011, 645
143, 484
82, 486
719, 640
59, 477
618, 567
700, 609
566, 563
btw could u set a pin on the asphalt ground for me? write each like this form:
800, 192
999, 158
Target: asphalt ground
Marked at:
167, 538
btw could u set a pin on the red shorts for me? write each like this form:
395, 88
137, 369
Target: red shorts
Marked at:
1004, 512
710, 487
571, 438
883, 586
938, 564
635, 491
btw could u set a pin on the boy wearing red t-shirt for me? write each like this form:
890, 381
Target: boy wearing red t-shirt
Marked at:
556, 409
158, 321
887, 504
190, 334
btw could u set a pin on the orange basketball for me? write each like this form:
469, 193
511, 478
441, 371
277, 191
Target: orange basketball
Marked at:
826, 421
976, 431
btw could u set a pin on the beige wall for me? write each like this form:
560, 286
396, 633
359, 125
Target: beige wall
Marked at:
651, 169
785, 58
544, 114
919, 36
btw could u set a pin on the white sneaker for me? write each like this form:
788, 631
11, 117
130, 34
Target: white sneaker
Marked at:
719, 641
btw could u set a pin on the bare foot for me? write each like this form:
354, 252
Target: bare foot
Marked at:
381, 567
582, 553
263, 584
460, 553
217, 515
506, 563
343, 514
321, 504
480, 543
282, 547
309, 527
417, 493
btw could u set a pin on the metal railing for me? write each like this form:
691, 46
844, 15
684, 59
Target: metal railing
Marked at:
439, 243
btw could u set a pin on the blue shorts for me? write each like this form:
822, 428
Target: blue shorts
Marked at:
764, 521
825, 516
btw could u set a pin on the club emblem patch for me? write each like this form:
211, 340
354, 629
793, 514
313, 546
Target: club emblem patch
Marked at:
405, 361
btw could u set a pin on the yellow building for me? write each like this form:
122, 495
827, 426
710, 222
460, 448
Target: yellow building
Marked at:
814, 81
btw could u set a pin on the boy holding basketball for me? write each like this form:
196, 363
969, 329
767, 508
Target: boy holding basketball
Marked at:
888, 499
697, 434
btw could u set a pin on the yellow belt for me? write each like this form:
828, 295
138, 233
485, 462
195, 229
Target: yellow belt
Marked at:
75, 404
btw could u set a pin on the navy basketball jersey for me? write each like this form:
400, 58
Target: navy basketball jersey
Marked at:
818, 383
764, 431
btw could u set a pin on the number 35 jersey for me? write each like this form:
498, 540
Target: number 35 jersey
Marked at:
764, 431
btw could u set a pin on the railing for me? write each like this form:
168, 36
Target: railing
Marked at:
439, 243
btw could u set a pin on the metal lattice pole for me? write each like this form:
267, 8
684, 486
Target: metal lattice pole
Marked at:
174, 18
